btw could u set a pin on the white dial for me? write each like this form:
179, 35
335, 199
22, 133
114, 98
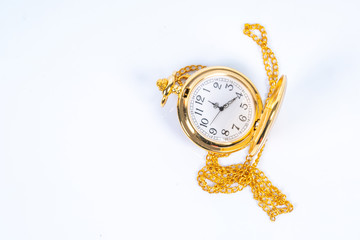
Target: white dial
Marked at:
221, 109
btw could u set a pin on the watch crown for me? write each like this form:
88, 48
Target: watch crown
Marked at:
162, 83
166, 86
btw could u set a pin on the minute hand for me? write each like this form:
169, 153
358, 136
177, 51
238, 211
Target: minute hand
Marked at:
226, 105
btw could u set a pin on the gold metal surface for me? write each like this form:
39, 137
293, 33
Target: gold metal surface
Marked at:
184, 117
213, 177
268, 117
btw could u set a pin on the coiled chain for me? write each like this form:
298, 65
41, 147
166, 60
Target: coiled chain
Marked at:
215, 178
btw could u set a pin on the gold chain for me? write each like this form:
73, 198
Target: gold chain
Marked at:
270, 61
183, 73
215, 178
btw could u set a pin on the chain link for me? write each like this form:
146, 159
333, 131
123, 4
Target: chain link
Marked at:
183, 73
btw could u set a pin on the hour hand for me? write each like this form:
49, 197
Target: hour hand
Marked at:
216, 105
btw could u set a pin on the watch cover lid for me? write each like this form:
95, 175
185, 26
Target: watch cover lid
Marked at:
268, 117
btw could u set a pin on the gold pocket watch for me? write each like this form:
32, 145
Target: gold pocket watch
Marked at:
221, 111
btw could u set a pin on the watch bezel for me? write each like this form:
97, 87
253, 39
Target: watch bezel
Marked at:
184, 117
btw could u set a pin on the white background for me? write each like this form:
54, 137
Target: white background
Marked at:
86, 151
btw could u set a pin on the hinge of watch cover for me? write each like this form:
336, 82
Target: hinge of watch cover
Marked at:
256, 124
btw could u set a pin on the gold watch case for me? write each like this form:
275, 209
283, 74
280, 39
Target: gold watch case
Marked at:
263, 118
268, 117
183, 107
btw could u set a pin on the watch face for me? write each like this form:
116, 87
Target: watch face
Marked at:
221, 109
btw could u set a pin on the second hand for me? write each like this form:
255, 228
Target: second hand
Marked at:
220, 110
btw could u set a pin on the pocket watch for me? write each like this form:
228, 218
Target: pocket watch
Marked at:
221, 111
